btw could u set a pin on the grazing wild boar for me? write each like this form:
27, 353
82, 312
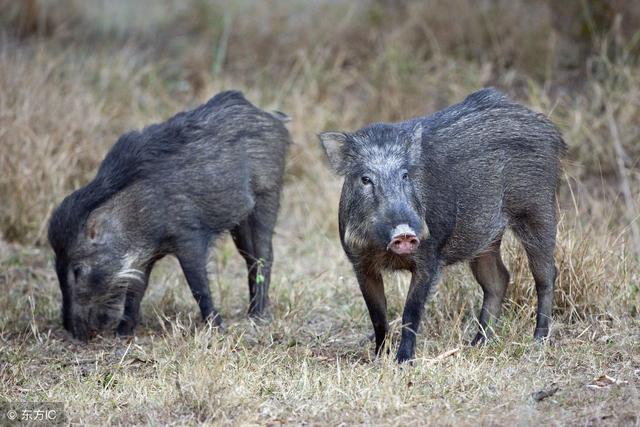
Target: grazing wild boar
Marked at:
432, 191
171, 189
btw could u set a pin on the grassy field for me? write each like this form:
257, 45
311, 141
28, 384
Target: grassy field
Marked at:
76, 77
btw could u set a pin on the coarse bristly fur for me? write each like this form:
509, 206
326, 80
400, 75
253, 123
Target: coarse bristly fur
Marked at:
456, 179
170, 189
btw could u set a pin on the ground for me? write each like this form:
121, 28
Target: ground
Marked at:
313, 363
69, 90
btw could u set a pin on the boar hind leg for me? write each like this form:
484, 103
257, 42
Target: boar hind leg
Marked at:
537, 234
372, 288
493, 277
193, 260
241, 235
262, 221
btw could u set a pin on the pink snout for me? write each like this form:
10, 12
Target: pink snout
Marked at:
404, 244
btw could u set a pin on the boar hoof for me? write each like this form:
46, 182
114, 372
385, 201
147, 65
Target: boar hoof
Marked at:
479, 340
541, 334
215, 320
404, 356
260, 313
125, 330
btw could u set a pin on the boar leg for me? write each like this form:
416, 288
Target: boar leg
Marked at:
493, 277
131, 315
372, 288
244, 243
193, 260
424, 278
537, 234
262, 222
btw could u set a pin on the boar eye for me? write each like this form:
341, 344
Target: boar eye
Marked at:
366, 180
77, 271
405, 176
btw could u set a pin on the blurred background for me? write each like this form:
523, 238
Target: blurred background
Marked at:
76, 74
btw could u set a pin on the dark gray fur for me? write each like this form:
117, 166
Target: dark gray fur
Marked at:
470, 171
171, 189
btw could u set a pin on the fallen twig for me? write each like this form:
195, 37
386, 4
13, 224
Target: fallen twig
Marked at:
442, 356
543, 394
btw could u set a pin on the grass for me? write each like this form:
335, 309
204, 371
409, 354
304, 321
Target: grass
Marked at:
69, 91
313, 362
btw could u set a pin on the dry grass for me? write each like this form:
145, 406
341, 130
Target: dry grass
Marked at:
66, 95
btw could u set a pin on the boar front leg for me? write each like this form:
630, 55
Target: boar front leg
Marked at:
193, 260
372, 288
131, 315
424, 278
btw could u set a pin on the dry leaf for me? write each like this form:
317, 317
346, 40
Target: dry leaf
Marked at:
604, 381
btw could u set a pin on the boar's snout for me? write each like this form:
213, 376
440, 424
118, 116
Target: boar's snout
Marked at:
87, 322
403, 240
80, 332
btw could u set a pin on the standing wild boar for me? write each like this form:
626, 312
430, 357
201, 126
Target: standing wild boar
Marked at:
436, 190
171, 189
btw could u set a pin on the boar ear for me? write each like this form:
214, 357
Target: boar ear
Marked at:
415, 143
100, 227
334, 144
91, 231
